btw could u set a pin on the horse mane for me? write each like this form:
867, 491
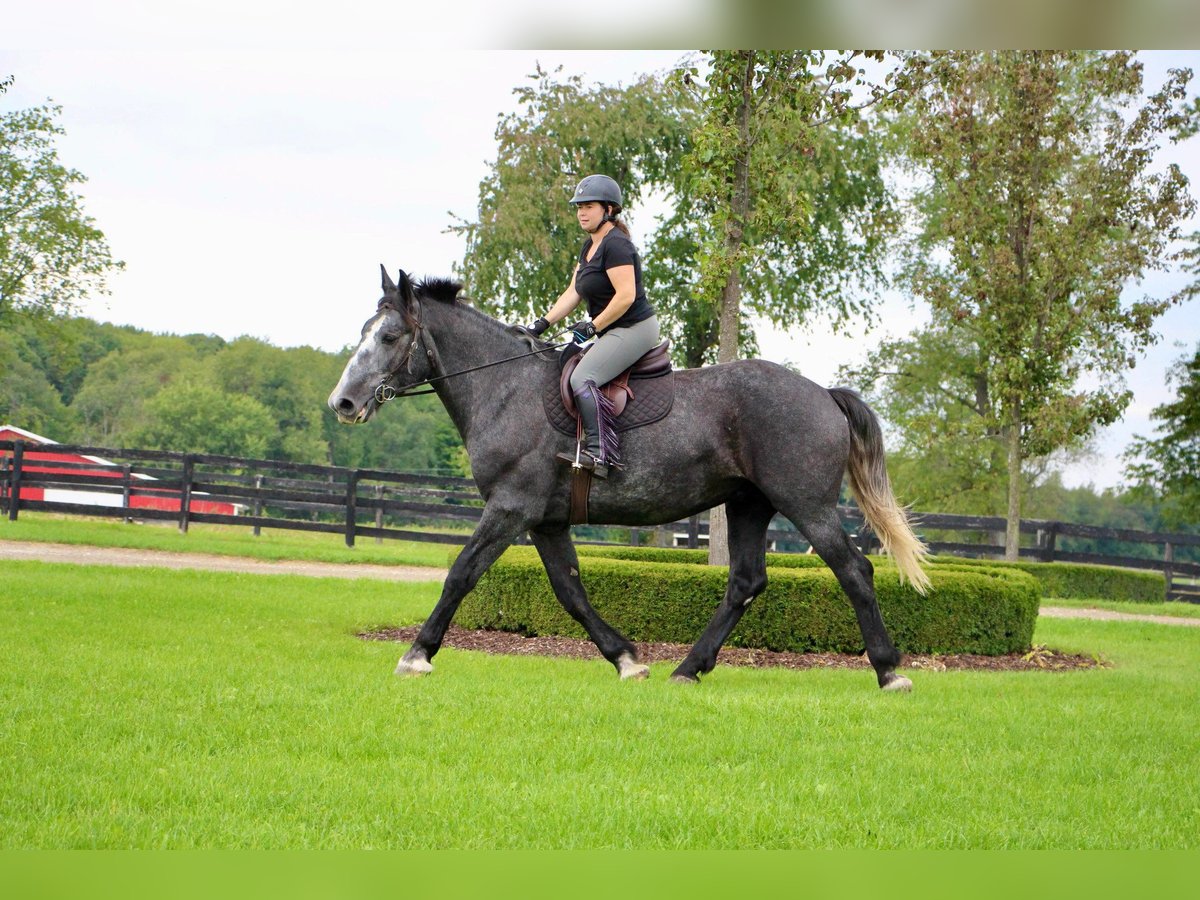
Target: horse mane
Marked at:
443, 290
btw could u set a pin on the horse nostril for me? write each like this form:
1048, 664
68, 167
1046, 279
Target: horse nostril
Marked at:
345, 405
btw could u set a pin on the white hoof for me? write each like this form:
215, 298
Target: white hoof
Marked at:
632, 671
416, 666
898, 685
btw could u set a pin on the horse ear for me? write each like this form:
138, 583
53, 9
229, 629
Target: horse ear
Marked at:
388, 286
404, 288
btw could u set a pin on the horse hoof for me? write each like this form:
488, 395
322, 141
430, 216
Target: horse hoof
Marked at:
684, 679
631, 670
897, 684
416, 666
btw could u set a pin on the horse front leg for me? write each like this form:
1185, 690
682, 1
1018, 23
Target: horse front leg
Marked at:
498, 528
562, 566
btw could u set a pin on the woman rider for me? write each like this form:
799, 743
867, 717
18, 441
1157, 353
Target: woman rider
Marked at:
609, 278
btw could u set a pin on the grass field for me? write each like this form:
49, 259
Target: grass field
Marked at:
223, 540
153, 709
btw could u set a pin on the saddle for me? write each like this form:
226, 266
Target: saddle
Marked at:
656, 362
641, 395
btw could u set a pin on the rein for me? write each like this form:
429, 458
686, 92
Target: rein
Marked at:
385, 392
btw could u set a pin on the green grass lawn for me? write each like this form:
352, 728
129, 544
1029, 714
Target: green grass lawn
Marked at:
1179, 610
223, 540
159, 709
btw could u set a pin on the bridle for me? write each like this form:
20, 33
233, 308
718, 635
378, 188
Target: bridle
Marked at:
385, 392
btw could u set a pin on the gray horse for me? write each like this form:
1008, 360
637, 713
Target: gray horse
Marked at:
750, 434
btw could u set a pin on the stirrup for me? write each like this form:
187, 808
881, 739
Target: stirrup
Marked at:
585, 460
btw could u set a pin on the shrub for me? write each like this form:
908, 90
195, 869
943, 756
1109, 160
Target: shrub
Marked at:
1057, 579
984, 610
1081, 580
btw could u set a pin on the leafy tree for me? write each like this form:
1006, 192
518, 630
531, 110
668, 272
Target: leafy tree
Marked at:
292, 384
1039, 207
1167, 468
111, 403
196, 417
522, 248
27, 398
932, 391
788, 187
51, 252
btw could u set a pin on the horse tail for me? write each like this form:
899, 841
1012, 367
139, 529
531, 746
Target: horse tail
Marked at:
873, 490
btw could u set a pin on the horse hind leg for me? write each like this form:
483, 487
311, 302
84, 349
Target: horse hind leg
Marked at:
748, 517
856, 575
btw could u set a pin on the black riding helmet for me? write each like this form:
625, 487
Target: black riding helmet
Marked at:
598, 188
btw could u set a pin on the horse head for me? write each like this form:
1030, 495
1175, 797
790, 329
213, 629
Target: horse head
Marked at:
384, 353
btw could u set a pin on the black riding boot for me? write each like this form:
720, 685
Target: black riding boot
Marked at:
591, 456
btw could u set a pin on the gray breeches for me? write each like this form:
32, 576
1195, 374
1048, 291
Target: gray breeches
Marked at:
614, 352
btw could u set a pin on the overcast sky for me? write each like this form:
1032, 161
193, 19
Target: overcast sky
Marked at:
252, 185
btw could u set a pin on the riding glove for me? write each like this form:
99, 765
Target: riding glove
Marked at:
583, 331
539, 326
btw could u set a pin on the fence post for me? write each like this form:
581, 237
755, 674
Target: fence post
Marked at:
257, 505
14, 484
351, 506
185, 494
379, 512
1168, 559
635, 537
694, 532
1046, 540
126, 490
4, 484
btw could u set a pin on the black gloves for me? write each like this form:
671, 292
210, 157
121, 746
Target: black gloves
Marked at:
583, 331
539, 326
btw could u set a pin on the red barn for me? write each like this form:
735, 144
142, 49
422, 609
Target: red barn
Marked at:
145, 496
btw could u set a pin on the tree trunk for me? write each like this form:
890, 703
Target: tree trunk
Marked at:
731, 294
1012, 535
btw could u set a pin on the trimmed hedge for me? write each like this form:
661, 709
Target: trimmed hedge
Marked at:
985, 610
1082, 581
1057, 579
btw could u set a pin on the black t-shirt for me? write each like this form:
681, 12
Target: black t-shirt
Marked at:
594, 286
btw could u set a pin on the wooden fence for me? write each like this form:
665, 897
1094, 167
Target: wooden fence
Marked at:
382, 504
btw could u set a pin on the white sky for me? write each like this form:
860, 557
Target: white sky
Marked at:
253, 175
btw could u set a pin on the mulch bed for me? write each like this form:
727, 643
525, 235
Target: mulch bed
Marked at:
1040, 659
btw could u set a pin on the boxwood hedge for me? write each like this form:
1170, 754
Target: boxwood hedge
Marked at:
1057, 579
663, 595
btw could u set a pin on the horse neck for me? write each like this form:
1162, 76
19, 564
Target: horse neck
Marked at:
463, 340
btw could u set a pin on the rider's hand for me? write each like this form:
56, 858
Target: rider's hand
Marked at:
539, 326
583, 331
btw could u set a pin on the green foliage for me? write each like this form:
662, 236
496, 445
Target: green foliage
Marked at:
522, 248
1077, 580
981, 610
1040, 203
1056, 579
111, 403
786, 187
291, 384
199, 418
27, 398
1167, 467
51, 252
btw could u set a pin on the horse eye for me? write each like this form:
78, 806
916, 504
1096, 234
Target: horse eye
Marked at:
390, 338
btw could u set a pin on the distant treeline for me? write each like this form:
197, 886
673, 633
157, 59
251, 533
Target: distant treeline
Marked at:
77, 380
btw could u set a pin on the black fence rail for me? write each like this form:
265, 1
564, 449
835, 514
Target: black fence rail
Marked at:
367, 503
